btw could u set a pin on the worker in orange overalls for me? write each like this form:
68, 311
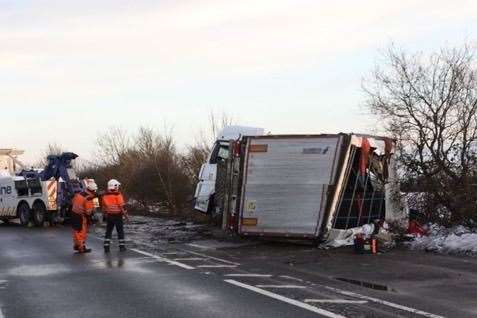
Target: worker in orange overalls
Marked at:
112, 204
81, 212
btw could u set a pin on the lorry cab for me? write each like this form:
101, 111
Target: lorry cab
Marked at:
205, 190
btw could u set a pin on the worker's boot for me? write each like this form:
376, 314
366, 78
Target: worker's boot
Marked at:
107, 244
122, 245
84, 250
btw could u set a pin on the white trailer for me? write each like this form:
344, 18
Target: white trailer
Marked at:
286, 184
314, 186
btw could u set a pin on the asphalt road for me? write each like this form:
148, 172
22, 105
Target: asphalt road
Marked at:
41, 277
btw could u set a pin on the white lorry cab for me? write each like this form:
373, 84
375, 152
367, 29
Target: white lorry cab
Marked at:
205, 190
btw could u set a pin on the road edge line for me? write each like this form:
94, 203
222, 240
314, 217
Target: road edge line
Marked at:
284, 299
385, 303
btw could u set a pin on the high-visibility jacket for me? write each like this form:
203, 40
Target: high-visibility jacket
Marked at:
112, 203
83, 203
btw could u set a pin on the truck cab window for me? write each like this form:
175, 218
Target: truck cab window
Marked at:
220, 152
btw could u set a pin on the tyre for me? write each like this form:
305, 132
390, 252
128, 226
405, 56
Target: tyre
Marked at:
24, 213
38, 213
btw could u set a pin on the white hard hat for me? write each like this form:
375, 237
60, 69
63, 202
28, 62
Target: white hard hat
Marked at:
92, 186
113, 184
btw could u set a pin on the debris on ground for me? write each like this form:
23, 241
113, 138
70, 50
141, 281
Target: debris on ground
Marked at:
379, 231
154, 232
457, 240
416, 229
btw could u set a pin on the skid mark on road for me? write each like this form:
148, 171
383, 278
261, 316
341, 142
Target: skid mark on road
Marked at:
285, 299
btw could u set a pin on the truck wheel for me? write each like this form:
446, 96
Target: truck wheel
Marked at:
24, 214
39, 212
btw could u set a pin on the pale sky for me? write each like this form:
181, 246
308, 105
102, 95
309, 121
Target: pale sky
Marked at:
71, 69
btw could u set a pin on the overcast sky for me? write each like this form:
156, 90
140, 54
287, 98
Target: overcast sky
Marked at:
71, 69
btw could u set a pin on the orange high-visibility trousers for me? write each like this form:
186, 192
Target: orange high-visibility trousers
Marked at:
79, 237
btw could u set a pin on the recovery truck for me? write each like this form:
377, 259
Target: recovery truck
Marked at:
37, 195
301, 186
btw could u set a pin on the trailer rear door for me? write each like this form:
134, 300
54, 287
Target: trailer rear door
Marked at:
285, 184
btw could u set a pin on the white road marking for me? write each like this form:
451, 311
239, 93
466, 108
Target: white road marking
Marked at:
1, 313
163, 259
190, 259
199, 246
281, 286
385, 303
217, 266
248, 275
291, 278
290, 301
335, 301
214, 258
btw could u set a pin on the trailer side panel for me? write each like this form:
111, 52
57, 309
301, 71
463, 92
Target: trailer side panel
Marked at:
286, 181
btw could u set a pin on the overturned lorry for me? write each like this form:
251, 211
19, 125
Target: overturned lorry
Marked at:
302, 186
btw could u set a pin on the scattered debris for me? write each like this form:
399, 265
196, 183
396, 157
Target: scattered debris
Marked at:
379, 231
458, 240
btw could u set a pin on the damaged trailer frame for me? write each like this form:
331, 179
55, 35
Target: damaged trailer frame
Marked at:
306, 186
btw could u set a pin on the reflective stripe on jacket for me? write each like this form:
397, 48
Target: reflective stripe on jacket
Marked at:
113, 203
82, 203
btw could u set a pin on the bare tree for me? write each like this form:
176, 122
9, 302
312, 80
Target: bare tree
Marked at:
51, 149
112, 145
198, 152
429, 104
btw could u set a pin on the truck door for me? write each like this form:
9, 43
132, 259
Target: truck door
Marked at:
7, 198
207, 177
